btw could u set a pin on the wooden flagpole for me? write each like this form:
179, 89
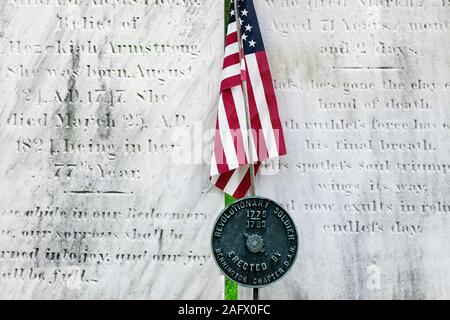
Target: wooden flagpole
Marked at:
247, 109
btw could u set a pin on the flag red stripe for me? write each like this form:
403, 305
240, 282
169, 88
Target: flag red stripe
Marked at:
233, 124
266, 77
258, 136
245, 185
231, 60
230, 82
223, 179
221, 160
231, 38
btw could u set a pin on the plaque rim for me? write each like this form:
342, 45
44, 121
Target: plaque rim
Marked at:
294, 261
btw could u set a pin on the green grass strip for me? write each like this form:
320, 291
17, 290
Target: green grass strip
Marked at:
231, 288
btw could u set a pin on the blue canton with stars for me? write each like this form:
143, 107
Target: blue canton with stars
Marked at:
251, 34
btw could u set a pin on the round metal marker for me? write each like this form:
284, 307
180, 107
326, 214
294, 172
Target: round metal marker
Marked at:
254, 242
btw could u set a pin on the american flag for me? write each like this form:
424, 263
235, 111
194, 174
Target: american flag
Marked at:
236, 146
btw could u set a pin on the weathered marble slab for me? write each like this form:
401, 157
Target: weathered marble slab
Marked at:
364, 91
94, 99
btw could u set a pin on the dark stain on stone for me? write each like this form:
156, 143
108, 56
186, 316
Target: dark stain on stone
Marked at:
68, 101
102, 111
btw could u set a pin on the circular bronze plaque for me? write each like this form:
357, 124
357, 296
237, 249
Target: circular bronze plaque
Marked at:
254, 242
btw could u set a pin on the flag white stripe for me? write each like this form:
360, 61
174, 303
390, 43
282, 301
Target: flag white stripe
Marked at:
227, 138
239, 102
231, 28
214, 170
231, 71
214, 178
231, 49
261, 104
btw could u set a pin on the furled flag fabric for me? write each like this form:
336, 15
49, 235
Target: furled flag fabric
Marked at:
236, 145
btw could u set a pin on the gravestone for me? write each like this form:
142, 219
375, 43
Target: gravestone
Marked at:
105, 131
